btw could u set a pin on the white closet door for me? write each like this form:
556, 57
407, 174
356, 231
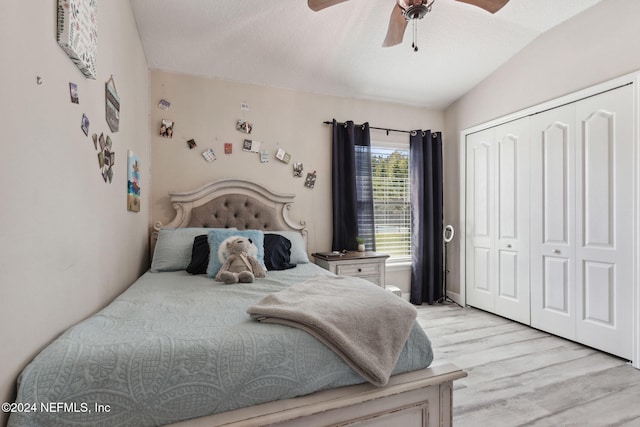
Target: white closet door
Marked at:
497, 220
512, 220
553, 292
480, 258
604, 246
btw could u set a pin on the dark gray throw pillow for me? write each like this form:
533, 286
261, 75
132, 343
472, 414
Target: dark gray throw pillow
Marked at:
199, 255
277, 252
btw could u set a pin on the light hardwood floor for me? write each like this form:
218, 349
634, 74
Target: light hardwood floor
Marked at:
520, 376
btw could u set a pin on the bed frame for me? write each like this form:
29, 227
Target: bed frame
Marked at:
418, 398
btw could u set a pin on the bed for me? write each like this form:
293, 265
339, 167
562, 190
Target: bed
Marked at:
180, 349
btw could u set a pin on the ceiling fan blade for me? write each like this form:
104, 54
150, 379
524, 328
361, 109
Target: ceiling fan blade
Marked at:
317, 5
491, 6
397, 25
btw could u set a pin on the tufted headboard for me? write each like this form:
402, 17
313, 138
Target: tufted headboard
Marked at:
231, 203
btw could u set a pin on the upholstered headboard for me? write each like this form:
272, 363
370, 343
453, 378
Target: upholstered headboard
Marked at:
231, 203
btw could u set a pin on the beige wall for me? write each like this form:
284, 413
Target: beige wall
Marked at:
207, 109
67, 243
598, 45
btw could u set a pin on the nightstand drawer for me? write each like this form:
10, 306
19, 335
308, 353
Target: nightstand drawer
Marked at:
364, 269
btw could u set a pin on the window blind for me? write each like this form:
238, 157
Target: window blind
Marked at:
391, 202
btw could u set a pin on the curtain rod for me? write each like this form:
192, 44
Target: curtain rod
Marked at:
373, 127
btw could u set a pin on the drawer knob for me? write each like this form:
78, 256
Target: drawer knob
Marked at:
359, 270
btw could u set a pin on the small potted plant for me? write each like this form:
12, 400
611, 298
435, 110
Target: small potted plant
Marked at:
360, 241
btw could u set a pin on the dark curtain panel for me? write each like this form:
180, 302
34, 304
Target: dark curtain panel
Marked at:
351, 186
426, 217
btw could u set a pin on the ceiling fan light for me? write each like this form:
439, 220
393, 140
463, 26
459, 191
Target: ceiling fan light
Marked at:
416, 12
415, 9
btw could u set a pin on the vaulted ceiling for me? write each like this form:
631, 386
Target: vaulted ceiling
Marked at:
337, 51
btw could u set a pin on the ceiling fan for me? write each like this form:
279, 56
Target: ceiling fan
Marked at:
409, 10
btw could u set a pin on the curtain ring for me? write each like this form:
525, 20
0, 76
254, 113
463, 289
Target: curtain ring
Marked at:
434, 135
363, 127
424, 134
414, 133
345, 125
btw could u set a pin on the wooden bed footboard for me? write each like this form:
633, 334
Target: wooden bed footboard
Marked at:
418, 398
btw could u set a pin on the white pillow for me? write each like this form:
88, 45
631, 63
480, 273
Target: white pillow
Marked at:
173, 248
298, 246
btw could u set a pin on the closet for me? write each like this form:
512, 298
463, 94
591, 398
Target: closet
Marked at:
550, 220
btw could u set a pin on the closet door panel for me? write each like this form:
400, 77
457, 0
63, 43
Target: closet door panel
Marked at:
556, 277
480, 258
552, 221
512, 207
555, 166
482, 271
508, 274
507, 186
604, 247
599, 296
597, 179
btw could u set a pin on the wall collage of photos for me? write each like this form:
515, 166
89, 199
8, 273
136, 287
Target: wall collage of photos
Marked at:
77, 35
248, 145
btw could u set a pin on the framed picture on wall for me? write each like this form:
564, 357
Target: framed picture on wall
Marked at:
77, 34
112, 105
133, 182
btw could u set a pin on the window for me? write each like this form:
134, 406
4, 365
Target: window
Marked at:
391, 199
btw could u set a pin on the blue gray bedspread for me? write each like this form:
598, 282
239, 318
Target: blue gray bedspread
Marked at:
174, 347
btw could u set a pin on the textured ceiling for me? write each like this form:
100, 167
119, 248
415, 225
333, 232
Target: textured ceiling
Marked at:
338, 51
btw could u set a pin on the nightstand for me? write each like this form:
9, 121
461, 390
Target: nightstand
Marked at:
368, 265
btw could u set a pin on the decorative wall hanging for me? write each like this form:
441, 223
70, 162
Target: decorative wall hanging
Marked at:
84, 125
166, 128
243, 126
133, 182
310, 181
252, 146
297, 170
228, 148
164, 104
112, 105
73, 93
77, 33
209, 155
192, 144
106, 157
264, 156
283, 156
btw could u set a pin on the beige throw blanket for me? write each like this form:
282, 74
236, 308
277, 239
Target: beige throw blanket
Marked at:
364, 324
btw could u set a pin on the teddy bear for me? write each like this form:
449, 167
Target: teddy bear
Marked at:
240, 265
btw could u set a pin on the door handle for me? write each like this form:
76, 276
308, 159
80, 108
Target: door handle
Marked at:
556, 251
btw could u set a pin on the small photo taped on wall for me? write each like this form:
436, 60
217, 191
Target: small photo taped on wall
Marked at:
85, 124
243, 126
166, 128
73, 93
251, 146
